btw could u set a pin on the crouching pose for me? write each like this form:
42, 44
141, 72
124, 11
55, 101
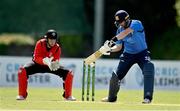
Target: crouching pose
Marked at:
45, 60
130, 33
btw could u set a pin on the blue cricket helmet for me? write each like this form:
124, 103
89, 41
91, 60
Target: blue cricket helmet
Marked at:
121, 15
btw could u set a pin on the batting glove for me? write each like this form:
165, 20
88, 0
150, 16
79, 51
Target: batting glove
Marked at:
108, 43
105, 50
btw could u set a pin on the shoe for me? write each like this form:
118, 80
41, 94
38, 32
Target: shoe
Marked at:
19, 97
105, 99
71, 98
146, 101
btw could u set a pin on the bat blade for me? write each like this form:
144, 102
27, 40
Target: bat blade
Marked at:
93, 57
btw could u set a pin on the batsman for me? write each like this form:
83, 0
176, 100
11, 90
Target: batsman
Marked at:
131, 35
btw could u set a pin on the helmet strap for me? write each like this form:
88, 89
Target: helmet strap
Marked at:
127, 23
117, 24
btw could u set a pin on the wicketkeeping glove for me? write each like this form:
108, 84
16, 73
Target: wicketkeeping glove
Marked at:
48, 62
55, 65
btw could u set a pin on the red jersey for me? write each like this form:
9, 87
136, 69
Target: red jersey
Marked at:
41, 51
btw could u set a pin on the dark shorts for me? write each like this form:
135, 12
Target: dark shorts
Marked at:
33, 68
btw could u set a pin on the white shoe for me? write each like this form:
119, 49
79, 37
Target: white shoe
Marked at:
19, 97
146, 101
70, 98
105, 99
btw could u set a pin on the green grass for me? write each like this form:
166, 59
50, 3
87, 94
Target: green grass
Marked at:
51, 99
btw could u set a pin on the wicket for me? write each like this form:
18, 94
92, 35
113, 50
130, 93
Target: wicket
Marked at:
90, 70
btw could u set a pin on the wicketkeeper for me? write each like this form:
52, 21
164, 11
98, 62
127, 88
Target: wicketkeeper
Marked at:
130, 33
46, 60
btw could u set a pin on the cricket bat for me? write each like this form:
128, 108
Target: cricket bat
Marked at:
93, 57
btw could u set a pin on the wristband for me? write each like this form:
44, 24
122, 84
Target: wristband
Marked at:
114, 39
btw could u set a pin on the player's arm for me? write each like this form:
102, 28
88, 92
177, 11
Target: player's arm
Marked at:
122, 35
57, 54
38, 54
116, 48
104, 50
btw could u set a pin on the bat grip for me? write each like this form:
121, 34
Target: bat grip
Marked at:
111, 43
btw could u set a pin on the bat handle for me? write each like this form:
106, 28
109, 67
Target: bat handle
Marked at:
111, 42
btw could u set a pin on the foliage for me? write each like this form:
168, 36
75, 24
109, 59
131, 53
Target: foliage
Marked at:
156, 18
13, 44
166, 46
3, 49
72, 45
159, 17
75, 19
18, 39
178, 11
36, 16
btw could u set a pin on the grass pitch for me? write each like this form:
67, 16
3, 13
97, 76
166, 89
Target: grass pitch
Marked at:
51, 99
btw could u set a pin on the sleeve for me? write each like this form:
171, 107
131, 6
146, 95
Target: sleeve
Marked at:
38, 54
57, 54
137, 26
119, 42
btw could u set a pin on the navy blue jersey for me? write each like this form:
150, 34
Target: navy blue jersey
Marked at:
134, 42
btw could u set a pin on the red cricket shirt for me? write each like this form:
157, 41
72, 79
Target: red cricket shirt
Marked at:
41, 51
